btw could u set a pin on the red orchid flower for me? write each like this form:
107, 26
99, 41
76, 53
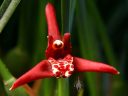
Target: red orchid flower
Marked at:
60, 62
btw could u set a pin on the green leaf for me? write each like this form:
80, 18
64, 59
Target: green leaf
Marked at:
88, 44
102, 32
8, 13
8, 81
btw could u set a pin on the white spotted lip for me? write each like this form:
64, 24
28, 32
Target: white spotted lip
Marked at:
62, 67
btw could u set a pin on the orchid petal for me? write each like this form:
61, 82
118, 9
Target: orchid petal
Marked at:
83, 65
41, 70
53, 29
66, 40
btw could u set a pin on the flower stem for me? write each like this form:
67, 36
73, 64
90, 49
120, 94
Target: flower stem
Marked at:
63, 84
63, 87
4, 6
4, 72
8, 13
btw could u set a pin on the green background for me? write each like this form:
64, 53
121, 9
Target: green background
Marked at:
99, 32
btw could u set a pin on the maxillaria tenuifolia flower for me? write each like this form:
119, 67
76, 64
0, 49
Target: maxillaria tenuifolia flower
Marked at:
60, 62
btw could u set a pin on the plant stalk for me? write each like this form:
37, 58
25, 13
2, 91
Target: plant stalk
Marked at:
8, 13
63, 87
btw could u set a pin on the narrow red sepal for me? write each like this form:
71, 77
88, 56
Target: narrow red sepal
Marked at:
83, 65
41, 70
53, 29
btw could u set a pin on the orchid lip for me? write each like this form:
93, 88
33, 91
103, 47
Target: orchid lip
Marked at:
62, 67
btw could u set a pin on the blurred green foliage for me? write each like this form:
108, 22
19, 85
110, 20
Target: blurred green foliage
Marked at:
98, 32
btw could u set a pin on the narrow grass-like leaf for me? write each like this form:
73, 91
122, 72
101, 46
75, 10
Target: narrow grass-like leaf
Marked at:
102, 31
117, 17
72, 8
8, 80
4, 6
88, 44
2, 89
8, 13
